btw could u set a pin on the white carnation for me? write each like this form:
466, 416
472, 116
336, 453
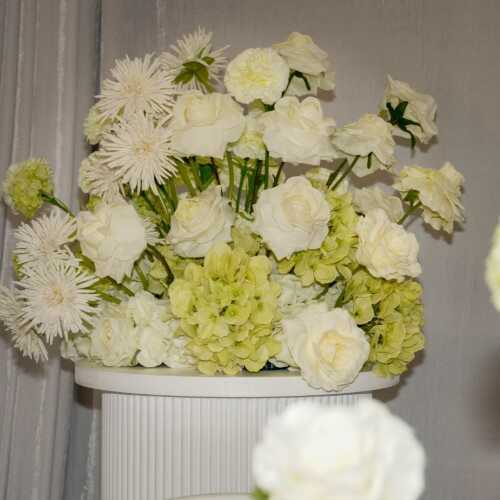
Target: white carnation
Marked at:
327, 346
291, 217
257, 74
297, 132
367, 199
338, 453
204, 124
371, 139
386, 249
200, 222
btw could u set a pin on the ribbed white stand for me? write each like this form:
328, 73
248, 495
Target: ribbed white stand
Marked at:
169, 433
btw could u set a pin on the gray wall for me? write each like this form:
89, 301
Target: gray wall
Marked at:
450, 49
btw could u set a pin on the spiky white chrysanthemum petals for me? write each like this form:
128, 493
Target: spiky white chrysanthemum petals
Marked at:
56, 299
98, 179
193, 64
24, 339
140, 152
138, 86
152, 235
45, 239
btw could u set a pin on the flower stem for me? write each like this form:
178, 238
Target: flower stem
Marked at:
215, 172
335, 173
196, 174
56, 202
108, 298
142, 276
278, 174
410, 210
253, 186
231, 174
266, 169
181, 167
161, 258
240, 187
346, 173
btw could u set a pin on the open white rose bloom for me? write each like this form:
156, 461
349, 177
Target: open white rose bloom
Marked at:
341, 453
196, 247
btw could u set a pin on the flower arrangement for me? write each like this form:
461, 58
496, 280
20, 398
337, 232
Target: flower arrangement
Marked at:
361, 452
196, 248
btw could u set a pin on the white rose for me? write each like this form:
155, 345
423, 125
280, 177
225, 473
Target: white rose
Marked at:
439, 193
327, 346
257, 74
113, 236
357, 453
251, 143
204, 124
200, 222
385, 248
371, 139
114, 338
302, 54
421, 109
297, 132
493, 268
145, 309
154, 343
291, 217
367, 199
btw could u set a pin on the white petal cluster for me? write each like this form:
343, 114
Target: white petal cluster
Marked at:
339, 453
97, 178
251, 143
369, 198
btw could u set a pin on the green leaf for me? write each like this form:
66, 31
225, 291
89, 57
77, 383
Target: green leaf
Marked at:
259, 494
209, 60
411, 196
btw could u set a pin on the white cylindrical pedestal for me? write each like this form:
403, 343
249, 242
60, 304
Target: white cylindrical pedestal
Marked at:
170, 433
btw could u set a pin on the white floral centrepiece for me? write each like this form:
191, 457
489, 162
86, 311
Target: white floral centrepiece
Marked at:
196, 248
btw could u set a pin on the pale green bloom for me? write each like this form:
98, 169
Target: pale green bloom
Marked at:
24, 183
227, 307
95, 125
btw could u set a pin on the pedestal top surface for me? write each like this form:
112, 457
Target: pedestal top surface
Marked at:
190, 383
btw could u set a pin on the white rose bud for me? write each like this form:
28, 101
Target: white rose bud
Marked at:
297, 132
113, 237
386, 249
257, 74
200, 222
292, 217
204, 124
371, 139
327, 346
357, 452
421, 109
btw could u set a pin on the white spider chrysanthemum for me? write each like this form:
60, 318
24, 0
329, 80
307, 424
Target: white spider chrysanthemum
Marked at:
56, 299
138, 86
45, 239
193, 64
24, 339
140, 152
98, 179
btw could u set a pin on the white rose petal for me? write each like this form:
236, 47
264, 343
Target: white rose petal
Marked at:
356, 453
257, 74
292, 217
371, 139
367, 199
385, 248
204, 124
297, 132
251, 143
327, 346
200, 222
113, 236
421, 109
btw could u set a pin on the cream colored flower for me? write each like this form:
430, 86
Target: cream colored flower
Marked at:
95, 126
200, 222
421, 109
493, 268
113, 237
367, 199
297, 132
439, 192
257, 74
369, 138
292, 217
203, 125
97, 178
359, 452
327, 346
251, 143
304, 56
385, 248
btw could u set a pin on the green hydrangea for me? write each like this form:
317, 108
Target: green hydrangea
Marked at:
391, 314
336, 255
95, 126
227, 307
244, 238
24, 184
